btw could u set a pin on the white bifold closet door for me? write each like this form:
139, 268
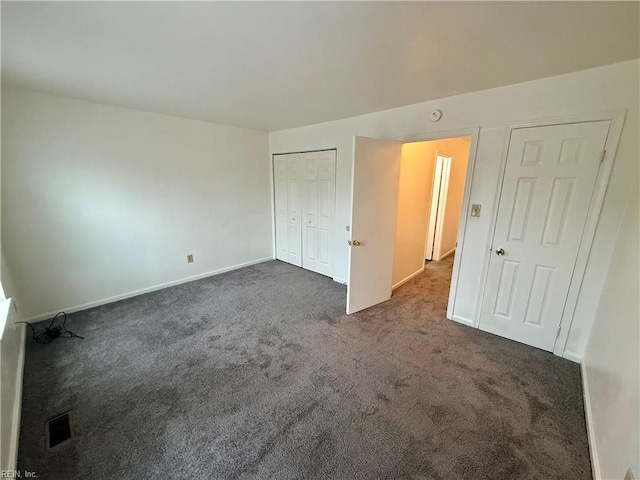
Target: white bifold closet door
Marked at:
288, 204
304, 186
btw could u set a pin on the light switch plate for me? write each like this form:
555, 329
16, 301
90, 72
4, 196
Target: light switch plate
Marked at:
475, 210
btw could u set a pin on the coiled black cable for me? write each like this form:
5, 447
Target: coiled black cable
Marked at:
51, 333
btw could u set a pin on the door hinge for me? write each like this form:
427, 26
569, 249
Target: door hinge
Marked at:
602, 155
558, 333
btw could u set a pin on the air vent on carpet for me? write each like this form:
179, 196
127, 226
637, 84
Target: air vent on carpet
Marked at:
58, 430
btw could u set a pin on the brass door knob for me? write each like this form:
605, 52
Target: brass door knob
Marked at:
354, 243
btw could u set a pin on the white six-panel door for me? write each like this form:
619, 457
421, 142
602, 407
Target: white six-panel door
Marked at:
374, 214
288, 206
549, 179
317, 223
304, 194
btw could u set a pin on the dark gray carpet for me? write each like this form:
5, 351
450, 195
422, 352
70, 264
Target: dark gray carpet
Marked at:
258, 374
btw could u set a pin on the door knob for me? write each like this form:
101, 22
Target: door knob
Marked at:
500, 252
353, 243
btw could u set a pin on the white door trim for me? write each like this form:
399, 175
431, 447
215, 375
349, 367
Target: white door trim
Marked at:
432, 227
443, 196
474, 134
595, 207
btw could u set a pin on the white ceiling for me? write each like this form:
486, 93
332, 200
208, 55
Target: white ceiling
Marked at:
272, 65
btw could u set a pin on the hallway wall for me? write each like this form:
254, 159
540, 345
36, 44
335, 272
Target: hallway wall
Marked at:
415, 191
458, 150
415, 188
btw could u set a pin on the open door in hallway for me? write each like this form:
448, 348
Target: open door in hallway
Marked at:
374, 202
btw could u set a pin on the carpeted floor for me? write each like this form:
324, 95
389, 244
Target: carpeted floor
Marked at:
258, 374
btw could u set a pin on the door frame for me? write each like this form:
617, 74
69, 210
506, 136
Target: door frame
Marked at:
474, 134
432, 226
443, 178
616, 120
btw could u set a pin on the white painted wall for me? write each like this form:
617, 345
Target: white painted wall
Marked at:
611, 365
101, 201
609, 88
12, 347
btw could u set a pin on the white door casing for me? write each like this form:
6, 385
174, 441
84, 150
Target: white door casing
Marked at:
374, 203
319, 204
442, 174
433, 209
547, 189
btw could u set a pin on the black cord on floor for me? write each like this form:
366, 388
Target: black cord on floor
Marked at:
51, 333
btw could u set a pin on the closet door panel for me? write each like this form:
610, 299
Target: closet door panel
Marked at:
294, 196
304, 190
319, 216
281, 207
310, 221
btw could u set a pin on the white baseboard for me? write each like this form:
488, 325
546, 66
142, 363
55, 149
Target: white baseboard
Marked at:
572, 356
135, 293
17, 402
446, 254
340, 280
405, 280
595, 463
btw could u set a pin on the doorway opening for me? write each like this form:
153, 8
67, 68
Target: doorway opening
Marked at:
431, 190
391, 196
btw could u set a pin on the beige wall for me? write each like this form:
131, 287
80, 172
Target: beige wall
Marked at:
414, 200
612, 361
458, 150
415, 190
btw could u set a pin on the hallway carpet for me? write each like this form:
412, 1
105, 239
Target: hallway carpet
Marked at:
257, 374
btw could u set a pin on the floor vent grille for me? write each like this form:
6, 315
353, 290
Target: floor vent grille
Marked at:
58, 430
